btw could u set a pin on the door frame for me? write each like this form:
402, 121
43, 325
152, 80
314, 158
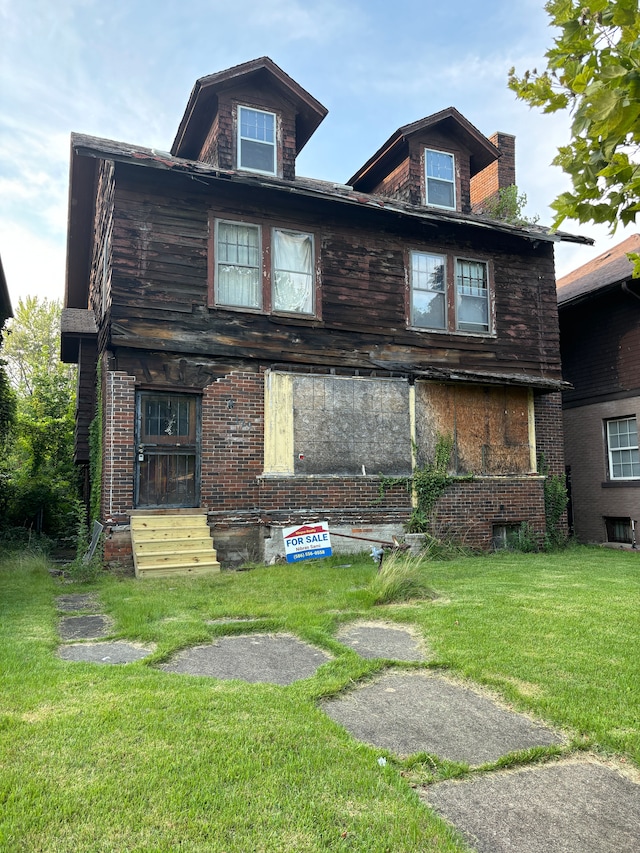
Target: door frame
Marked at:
197, 399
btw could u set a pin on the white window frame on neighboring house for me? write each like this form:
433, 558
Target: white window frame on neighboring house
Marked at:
257, 136
472, 296
428, 287
622, 448
437, 176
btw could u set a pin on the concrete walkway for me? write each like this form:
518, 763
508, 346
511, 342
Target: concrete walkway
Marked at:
575, 805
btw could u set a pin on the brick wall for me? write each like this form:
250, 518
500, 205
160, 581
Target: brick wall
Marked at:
239, 497
593, 494
119, 406
499, 174
232, 441
467, 511
118, 436
549, 434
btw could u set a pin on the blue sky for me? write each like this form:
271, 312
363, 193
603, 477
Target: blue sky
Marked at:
124, 69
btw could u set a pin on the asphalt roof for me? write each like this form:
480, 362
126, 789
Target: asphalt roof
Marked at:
609, 268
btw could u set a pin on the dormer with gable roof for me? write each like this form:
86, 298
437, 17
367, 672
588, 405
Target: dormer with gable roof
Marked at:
252, 118
439, 161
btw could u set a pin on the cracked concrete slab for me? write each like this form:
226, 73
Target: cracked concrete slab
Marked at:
116, 652
77, 601
420, 712
381, 640
277, 659
84, 627
570, 807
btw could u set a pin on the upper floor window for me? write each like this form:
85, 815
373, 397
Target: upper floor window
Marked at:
622, 445
449, 294
256, 140
292, 272
239, 265
440, 182
472, 296
428, 291
264, 269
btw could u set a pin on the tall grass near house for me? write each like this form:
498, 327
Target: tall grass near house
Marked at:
400, 578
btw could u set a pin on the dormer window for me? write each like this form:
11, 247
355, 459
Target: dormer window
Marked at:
440, 183
256, 141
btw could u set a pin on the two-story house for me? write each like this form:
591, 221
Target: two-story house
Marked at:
271, 349
600, 345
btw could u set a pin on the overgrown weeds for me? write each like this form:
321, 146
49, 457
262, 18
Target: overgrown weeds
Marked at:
401, 578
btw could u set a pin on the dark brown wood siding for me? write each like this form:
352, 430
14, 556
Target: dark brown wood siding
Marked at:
101, 257
86, 399
600, 346
160, 278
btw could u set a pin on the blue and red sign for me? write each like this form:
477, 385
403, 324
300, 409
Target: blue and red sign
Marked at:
307, 542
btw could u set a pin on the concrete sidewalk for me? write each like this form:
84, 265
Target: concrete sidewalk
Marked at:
572, 805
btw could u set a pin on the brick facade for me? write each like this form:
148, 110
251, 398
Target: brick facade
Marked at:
500, 174
119, 402
594, 495
468, 511
243, 503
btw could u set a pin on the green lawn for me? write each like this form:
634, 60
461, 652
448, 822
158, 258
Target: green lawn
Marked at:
130, 758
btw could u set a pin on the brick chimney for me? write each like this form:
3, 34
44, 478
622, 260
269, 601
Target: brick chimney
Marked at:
498, 175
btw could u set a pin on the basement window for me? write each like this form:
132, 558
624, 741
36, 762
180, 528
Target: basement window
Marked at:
256, 141
619, 530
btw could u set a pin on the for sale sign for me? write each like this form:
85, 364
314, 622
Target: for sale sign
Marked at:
307, 542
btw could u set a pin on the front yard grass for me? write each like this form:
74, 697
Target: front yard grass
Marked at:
130, 758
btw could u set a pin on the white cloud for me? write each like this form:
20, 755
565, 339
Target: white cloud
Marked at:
34, 265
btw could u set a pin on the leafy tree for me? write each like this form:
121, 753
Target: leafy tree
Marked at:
42, 487
7, 419
594, 70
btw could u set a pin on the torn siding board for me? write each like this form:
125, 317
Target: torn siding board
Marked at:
489, 425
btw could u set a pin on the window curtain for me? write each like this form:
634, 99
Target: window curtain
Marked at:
293, 272
238, 281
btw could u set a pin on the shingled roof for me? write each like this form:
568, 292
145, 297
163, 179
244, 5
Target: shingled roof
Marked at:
607, 270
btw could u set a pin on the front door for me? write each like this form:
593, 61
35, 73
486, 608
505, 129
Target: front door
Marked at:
167, 450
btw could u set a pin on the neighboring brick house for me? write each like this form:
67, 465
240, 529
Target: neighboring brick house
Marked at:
272, 348
599, 312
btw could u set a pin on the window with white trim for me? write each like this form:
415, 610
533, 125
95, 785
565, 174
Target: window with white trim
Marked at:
440, 179
622, 446
472, 296
428, 291
261, 268
257, 140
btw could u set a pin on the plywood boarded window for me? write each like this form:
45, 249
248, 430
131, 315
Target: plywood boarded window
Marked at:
490, 426
330, 425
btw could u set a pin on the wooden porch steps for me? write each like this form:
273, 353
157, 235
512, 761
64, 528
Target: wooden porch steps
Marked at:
169, 544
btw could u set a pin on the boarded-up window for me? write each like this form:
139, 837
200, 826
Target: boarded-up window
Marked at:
330, 425
489, 424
